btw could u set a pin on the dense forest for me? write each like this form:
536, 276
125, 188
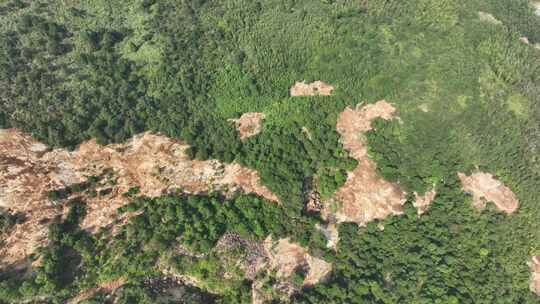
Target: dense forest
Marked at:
75, 70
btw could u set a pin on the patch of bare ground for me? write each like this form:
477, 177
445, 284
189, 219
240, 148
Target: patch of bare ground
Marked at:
311, 89
249, 124
535, 276
422, 202
487, 17
484, 187
365, 196
155, 164
286, 257
107, 287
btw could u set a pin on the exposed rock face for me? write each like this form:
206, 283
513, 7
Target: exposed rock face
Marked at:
249, 124
366, 196
535, 277
313, 201
311, 89
485, 188
155, 164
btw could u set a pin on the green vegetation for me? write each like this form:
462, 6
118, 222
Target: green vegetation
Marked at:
75, 70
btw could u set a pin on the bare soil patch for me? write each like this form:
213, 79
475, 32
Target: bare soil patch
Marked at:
535, 277
366, 196
422, 202
249, 124
155, 164
484, 187
286, 257
311, 89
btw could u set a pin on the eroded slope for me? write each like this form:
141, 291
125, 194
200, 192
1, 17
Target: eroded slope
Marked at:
153, 164
365, 196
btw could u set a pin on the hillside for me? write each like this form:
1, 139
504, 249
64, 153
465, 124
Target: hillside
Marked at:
278, 151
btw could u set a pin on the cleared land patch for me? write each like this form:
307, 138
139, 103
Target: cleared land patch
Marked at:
484, 187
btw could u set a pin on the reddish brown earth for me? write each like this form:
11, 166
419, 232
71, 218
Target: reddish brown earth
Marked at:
311, 89
365, 196
249, 124
154, 163
535, 277
484, 187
